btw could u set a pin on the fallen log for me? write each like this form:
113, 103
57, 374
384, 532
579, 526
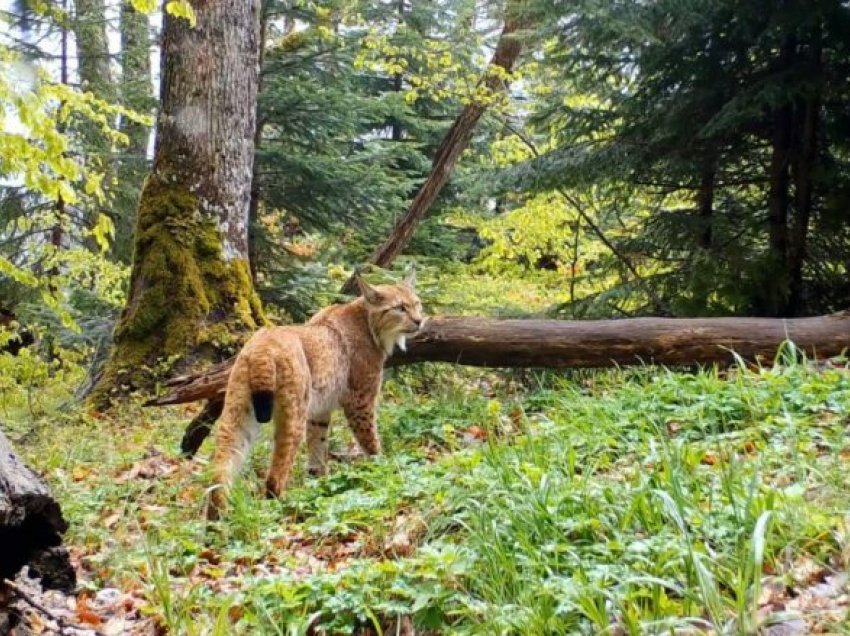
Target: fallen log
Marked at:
31, 525
560, 344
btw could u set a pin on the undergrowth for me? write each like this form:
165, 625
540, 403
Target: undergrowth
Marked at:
619, 502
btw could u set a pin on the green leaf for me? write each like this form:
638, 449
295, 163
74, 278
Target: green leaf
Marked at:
7, 268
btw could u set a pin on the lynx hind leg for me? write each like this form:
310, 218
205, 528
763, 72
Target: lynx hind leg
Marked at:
318, 433
360, 414
290, 422
237, 430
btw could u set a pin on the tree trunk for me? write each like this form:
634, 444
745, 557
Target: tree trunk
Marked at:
31, 525
774, 292
705, 205
136, 89
450, 149
701, 279
92, 48
254, 202
398, 80
803, 170
137, 94
190, 287
562, 344
95, 75
93, 69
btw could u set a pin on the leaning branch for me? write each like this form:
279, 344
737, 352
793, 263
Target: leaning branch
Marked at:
452, 146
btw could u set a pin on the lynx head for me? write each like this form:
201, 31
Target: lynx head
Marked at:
394, 311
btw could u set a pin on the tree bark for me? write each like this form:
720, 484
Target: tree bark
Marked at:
701, 282
93, 69
802, 172
562, 344
136, 89
137, 94
775, 289
31, 525
705, 205
92, 48
452, 146
256, 190
398, 80
201, 426
190, 287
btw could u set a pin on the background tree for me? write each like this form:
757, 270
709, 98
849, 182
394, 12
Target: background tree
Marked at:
136, 92
715, 117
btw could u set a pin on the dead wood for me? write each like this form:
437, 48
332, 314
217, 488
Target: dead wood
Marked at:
561, 344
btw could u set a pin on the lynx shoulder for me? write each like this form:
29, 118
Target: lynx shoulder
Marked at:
296, 376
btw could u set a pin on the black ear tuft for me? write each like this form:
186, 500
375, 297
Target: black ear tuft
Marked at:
263, 405
410, 277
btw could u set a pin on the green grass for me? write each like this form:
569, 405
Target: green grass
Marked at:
624, 502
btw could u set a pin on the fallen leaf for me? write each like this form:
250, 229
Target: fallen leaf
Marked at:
210, 556
477, 432
86, 615
674, 427
235, 613
80, 473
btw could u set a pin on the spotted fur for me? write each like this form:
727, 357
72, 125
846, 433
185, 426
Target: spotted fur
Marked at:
298, 375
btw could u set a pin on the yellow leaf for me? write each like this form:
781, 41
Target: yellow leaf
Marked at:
182, 9
103, 230
144, 6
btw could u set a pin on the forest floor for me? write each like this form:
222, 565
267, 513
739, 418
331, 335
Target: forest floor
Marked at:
620, 502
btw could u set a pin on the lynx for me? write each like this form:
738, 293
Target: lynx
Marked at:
299, 375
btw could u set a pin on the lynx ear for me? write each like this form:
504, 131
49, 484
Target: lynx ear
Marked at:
410, 278
372, 295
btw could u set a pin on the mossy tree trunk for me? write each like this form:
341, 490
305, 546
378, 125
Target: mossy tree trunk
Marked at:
191, 296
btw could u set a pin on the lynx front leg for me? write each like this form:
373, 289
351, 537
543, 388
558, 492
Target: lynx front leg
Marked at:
290, 424
318, 434
361, 418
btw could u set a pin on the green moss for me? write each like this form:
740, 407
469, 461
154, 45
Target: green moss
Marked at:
187, 303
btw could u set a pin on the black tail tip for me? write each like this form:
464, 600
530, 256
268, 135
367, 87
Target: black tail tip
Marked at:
263, 403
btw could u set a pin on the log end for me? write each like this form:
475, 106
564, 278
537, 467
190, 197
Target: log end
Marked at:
31, 524
31, 534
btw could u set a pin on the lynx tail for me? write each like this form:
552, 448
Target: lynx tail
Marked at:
262, 370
